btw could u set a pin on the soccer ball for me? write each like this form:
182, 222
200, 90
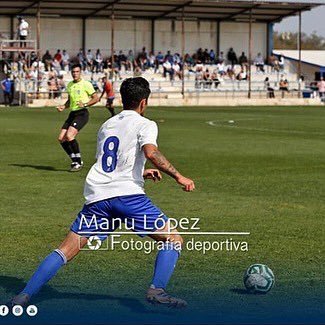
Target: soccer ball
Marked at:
259, 278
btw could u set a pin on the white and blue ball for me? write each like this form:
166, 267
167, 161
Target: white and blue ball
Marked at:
259, 278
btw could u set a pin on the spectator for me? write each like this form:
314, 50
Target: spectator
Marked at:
130, 61
7, 87
243, 61
221, 57
61, 85
56, 67
212, 56
206, 56
168, 57
47, 59
94, 83
90, 61
33, 57
221, 68
137, 72
269, 89
159, 61
177, 70
215, 79
284, 86
53, 87
151, 60
23, 30
98, 61
121, 61
242, 75
82, 59
207, 79
321, 88
58, 56
274, 63
232, 57
259, 63
167, 66
281, 63
65, 60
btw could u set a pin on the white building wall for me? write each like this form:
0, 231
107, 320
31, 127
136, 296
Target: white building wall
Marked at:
5, 27
63, 33
128, 35
66, 33
168, 36
236, 35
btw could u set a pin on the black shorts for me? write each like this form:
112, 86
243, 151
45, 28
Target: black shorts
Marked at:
77, 119
109, 101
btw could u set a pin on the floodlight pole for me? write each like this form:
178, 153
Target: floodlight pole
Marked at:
299, 60
183, 54
38, 45
250, 46
112, 40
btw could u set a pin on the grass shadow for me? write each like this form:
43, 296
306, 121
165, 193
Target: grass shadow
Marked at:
39, 167
13, 285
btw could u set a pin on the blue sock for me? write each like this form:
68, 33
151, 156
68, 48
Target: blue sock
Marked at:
45, 272
165, 264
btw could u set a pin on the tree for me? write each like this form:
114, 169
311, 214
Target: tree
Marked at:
289, 41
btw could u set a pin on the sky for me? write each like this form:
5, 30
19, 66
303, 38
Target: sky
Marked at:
313, 20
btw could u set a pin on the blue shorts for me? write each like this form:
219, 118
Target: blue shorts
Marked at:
122, 213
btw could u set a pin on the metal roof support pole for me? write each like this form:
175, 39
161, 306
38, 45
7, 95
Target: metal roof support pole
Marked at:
153, 35
250, 46
83, 35
12, 27
38, 46
218, 39
112, 39
299, 60
183, 54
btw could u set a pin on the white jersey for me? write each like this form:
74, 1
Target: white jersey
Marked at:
23, 28
120, 161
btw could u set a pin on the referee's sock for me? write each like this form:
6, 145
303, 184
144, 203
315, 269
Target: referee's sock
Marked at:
45, 272
76, 156
67, 148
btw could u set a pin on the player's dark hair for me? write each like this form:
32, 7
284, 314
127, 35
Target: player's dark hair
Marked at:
77, 65
133, 91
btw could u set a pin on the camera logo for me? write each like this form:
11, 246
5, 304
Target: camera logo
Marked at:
94, 243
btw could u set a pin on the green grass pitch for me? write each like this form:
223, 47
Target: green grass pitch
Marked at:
264, 174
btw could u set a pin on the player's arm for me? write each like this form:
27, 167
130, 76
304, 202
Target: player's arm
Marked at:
93, 100
152, 153
61, 108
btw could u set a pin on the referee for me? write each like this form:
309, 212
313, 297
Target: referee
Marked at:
81, 95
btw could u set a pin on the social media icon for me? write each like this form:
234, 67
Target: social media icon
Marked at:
4, 310
17, 310
31, 310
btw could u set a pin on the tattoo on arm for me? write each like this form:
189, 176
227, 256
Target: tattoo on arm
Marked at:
161, 162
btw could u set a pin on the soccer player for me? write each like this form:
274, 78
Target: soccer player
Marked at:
79, 91
114, 190
109, 90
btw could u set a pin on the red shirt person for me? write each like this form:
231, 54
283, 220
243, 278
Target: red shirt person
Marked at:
110, 95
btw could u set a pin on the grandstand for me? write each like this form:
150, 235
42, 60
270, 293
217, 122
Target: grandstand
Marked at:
181, 27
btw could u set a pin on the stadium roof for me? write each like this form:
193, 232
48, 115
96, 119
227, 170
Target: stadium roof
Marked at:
222, 10
316, 58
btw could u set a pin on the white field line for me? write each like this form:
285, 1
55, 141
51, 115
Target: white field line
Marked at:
218, 123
